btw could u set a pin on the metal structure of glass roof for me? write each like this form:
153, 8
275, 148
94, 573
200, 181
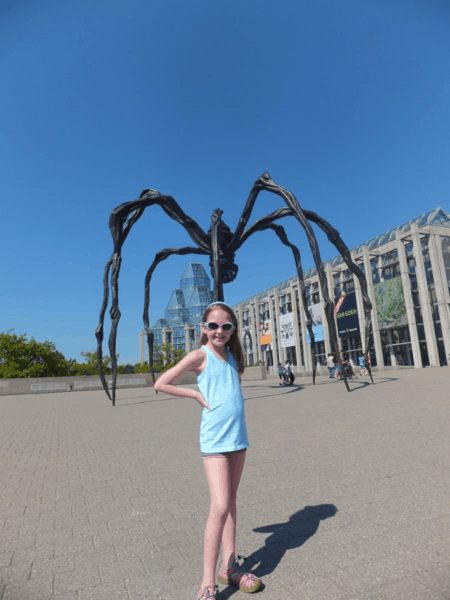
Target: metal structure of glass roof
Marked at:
187, 303
437, 216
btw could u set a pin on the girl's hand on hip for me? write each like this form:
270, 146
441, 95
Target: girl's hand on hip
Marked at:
202, 401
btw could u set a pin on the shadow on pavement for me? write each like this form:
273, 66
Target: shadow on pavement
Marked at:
284, 536
363, 384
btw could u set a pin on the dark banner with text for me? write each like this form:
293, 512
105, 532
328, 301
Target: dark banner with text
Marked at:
347, 315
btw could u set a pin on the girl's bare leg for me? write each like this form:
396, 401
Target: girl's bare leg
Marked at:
229, 531
218, 474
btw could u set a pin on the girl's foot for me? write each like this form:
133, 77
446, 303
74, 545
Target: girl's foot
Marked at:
209, 593
246, 582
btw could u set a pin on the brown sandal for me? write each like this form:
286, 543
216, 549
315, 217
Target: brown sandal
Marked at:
246, 582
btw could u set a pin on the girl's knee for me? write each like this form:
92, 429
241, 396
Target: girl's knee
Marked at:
219, 510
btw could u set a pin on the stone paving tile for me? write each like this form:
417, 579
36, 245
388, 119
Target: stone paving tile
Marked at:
75, 545
51, 566
39, 587
116, 591
316, 588
6, 557
408, 589
435, 577
66, 596
77, 580
160, 587
92, 558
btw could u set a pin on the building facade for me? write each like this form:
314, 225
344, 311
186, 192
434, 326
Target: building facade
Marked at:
408, 275
182, 317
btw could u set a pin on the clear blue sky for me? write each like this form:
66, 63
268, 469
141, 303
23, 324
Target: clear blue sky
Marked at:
347, 104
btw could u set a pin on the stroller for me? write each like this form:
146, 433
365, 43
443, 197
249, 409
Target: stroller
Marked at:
348, 370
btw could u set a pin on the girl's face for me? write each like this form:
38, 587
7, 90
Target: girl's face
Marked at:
218, 337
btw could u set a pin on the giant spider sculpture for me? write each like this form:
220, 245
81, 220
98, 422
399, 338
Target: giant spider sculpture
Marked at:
221, 245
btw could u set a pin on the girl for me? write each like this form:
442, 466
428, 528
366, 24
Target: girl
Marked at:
218, 363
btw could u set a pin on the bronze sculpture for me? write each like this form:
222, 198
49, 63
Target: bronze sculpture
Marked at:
221, 244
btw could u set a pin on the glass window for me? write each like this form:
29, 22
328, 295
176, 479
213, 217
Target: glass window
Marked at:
346, 275
337, 284
445, 246
374, 267
418, 315
360, 265
308, 295
285, 305
390, 272
389, 257
438, 331
348, 286
421, 332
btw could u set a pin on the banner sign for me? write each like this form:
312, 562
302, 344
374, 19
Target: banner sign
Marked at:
347, 315
247, 340
315, 310
339, 303
391, 310
287, 330
318, 334
265, 332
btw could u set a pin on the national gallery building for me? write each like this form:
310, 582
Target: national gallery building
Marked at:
408, 275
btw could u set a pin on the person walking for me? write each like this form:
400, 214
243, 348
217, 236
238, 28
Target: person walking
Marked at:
280, 373
288, 371
218, 363
362, 365
331, 365
337, 373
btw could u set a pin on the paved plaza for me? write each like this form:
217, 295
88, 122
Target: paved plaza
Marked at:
344, 496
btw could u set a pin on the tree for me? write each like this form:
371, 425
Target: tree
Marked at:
165, 356
90, 366
390, 304
20, 357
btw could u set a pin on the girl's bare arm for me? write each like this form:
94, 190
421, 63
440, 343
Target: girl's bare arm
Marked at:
166, 383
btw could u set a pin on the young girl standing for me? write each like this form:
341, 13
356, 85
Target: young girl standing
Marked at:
223, 439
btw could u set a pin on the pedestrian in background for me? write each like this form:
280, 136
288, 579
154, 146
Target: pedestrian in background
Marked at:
288, 373
362, 365
331, 365
280, 373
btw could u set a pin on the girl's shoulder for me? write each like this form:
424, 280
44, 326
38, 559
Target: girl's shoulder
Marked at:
191, 362
199, 361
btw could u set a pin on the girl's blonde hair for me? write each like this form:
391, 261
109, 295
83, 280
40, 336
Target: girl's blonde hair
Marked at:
233, 343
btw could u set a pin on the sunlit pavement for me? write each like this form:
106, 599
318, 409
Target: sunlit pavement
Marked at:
343, 496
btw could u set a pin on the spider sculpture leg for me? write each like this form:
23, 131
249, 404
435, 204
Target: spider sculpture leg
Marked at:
340, 246
99, 330
266, 183
160, 256
261, 225
121, 221
336, 240
281, 233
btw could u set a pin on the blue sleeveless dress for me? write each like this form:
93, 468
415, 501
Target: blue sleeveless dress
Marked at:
223, 428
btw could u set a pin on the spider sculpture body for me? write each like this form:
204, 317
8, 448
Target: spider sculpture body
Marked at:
221, 244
